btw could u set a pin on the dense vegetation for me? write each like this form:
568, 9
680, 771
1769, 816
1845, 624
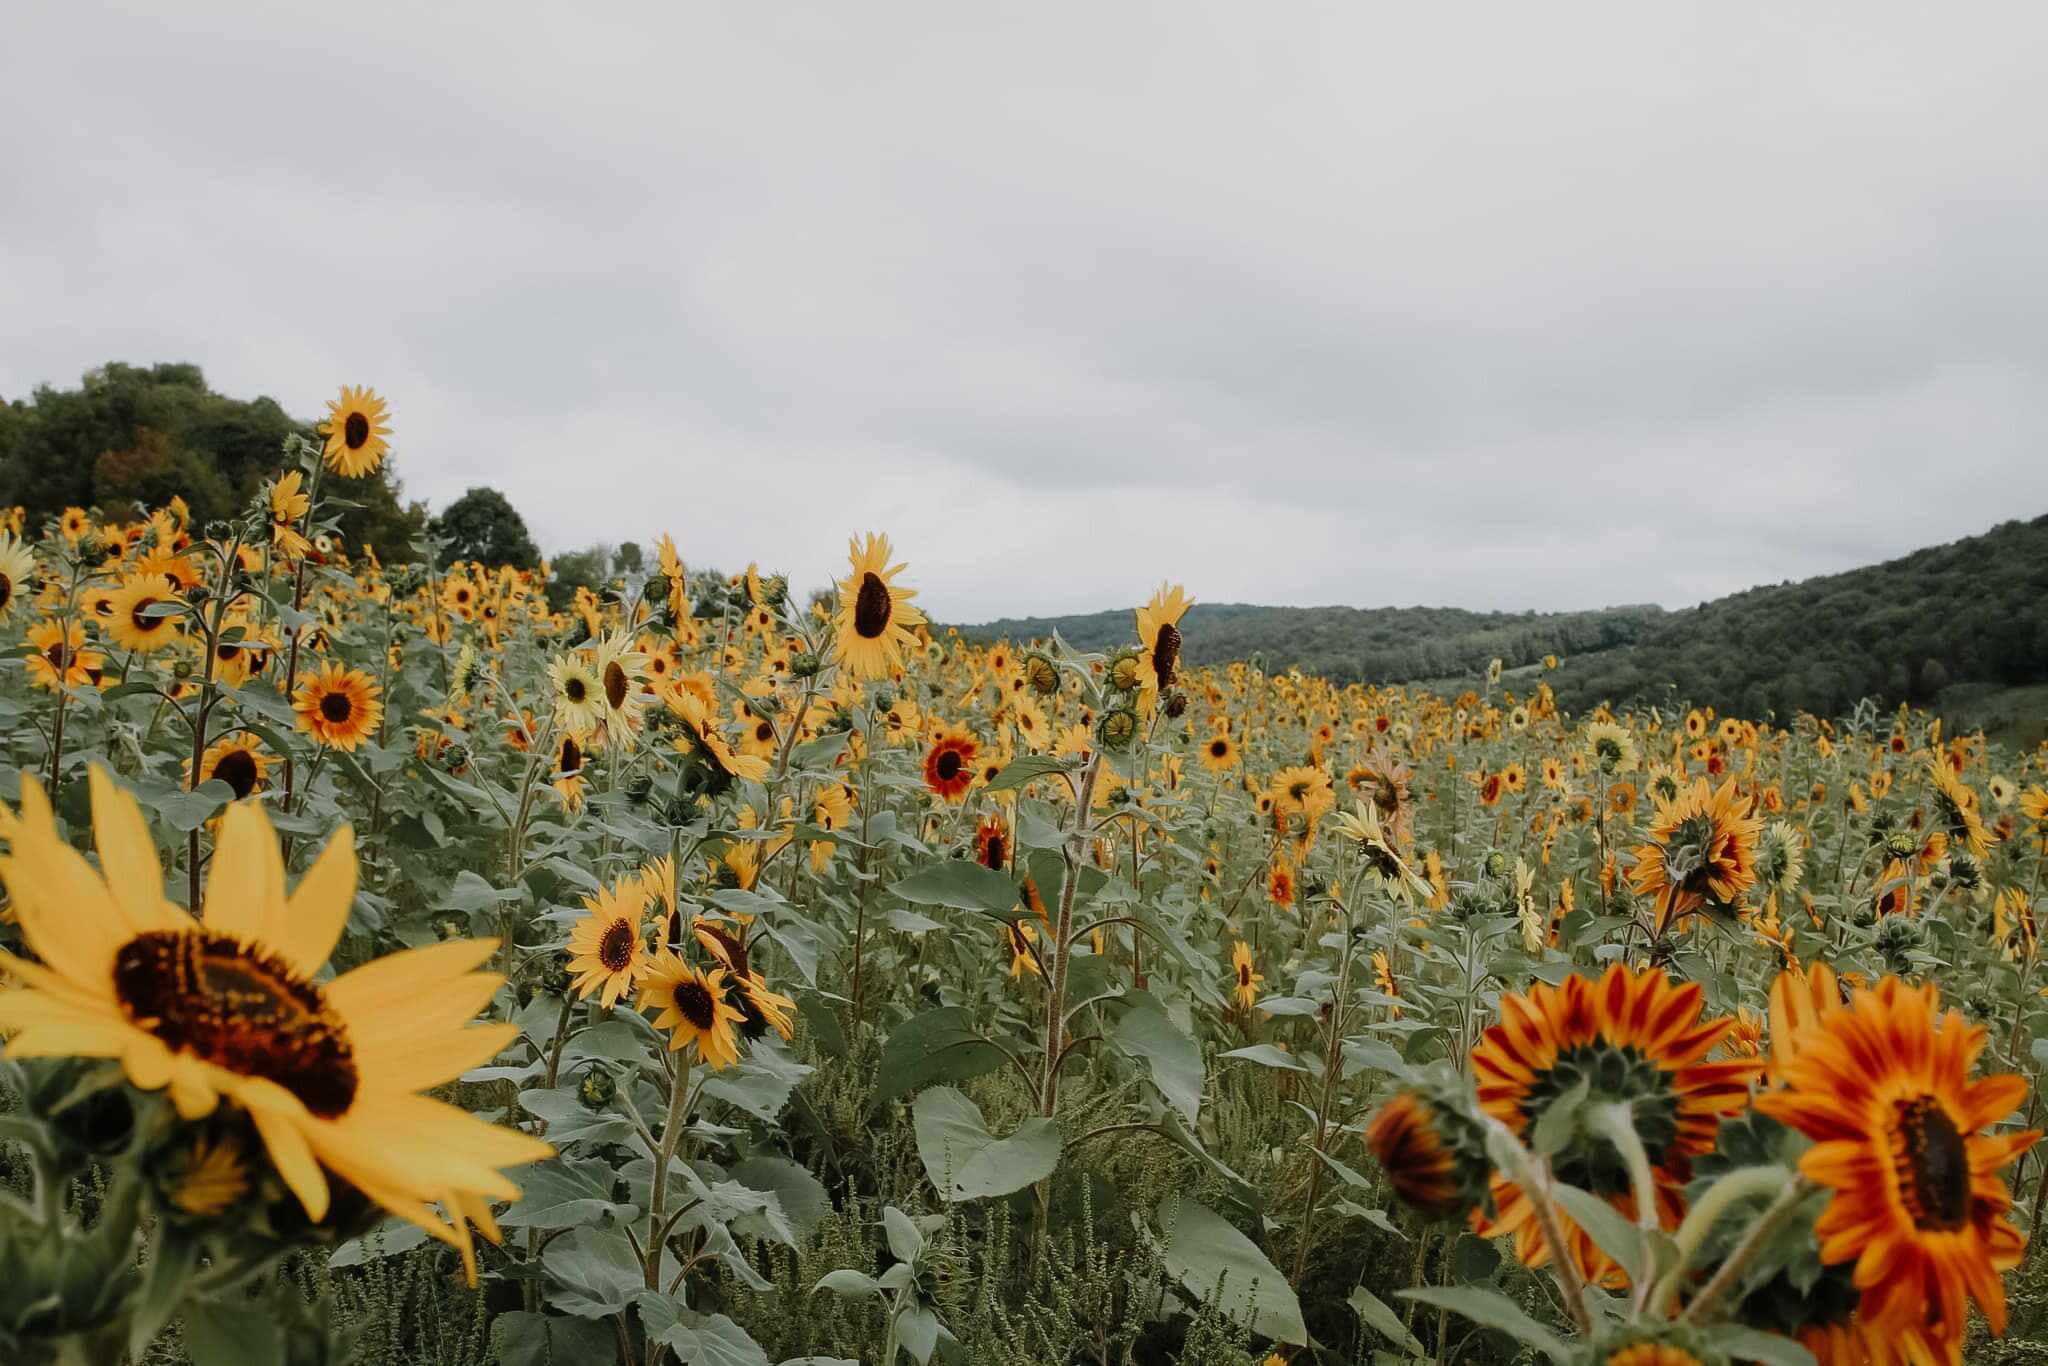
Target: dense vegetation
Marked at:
1354, 644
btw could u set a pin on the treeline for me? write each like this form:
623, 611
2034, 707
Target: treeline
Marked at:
1971, 612
131, 437
1352, 644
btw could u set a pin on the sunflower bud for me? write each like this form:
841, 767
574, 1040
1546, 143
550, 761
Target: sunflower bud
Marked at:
1176, 705
805, 664
1041, 673
775, 591
555, 978
1496, 863
1125, 671
638, 787
598, 1089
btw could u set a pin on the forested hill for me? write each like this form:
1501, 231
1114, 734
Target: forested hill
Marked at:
1970, 613
1380, 644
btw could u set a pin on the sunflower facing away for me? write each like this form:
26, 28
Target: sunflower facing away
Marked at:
1633, 1038
356, 428
1882, 1085
875, 616
1702, 851
339, 707
226, 1008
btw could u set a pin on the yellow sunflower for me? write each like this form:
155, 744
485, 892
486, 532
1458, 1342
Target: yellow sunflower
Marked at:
875, 616
608, 946
288, 505
226, 1008
356, 428
1702, 851
339, 707
1245, 983
238, 761
143, 614
693, 1008
17, 573
1159, 639
579, 695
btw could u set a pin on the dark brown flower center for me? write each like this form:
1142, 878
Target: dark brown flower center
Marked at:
1933, 1164
141, 622
575, 691
241, 1008
694, 1004
572, 756
615, 685
995, 850
6, 591
615, 949
336, 707
872, 607
355, 432
1219, 748
237, 768
947, 766
1165, 653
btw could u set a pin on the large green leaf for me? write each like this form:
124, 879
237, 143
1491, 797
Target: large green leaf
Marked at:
1203, 1250
939, 1045
961, 884
1148, 1033
522, 1339
965, 1161
1374, 1313
1491, 1309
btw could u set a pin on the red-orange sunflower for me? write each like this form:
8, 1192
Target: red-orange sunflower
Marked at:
1702, 851
949, 764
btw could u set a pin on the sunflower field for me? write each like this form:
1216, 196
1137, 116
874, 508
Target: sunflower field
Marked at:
394, 969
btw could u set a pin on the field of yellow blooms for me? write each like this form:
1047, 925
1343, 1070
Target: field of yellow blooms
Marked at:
397, 970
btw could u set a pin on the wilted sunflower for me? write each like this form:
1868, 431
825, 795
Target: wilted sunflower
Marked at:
949, 764
1159, 638
145, 614
760, 1008
1245, 983
1702, 851
875, 616
1022, 940
1635, 1039
701, 737
1882, 1086
355, 429
226, 1007
17, 573
339, 707
238, 761
693, 1008
608, 946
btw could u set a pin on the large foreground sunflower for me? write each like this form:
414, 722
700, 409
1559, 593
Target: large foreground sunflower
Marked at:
1634, 1038
1882, 1085
356, 429
226, 1008
875, 616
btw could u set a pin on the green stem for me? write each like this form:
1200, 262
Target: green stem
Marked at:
1744, 1183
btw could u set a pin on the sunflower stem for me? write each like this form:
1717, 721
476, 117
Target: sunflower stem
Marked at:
1760, 1233
1744, 1183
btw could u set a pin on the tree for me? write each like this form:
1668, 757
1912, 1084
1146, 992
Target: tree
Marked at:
482, 525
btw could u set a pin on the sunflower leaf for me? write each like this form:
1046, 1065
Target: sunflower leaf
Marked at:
1209, 1257
1491, 1309
965, 1161
962, 885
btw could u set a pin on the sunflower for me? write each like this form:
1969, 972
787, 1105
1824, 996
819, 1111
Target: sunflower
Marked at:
144, 614
1651, 1354
1383, 978
17, 572
1882, 1086
621, 670
875, 616
1635, 1039
1219, 752
949, 764
74, 524
226, 1008
1302, 792
568, 779
339, 707
1385, 870
1159, 638
992, 843
1245, 983
60, 659
238, 761
288, 507
760, 1009
701, 737
1701, 854
1022, 939
1280, 882
693, 1008
1433, 1151
1956, 809
355, 430
608, 946
579, 695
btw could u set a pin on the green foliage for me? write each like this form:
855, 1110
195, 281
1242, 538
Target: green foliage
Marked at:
131, 437
482, 525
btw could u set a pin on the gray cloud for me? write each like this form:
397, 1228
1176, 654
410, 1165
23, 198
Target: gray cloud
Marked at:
1497, 306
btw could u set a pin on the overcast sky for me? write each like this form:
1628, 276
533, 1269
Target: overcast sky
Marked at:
1498, 306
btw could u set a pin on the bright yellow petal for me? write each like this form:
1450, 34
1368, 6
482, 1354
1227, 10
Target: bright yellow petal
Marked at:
401, 980
317, 911
434, 1058
245, 883
280, 1119
128, 857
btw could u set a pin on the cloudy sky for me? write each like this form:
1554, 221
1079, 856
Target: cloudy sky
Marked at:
1500, 305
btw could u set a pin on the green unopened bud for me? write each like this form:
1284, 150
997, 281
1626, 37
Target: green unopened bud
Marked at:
1042, 674
598, 1089
1118, 728
1125, 673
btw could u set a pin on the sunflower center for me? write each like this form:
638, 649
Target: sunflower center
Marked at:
1933, 1164
575, 691
55, 654
995, 852
241, 1008
948, 765
615, 949
1219, 748
694, 1004
572, 756
237, 768
336, 707
140, 621
872, 607
1165, 653
6, 591
616, 685
355, 431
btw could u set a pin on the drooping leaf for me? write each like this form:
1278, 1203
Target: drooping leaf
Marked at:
1203, 1248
